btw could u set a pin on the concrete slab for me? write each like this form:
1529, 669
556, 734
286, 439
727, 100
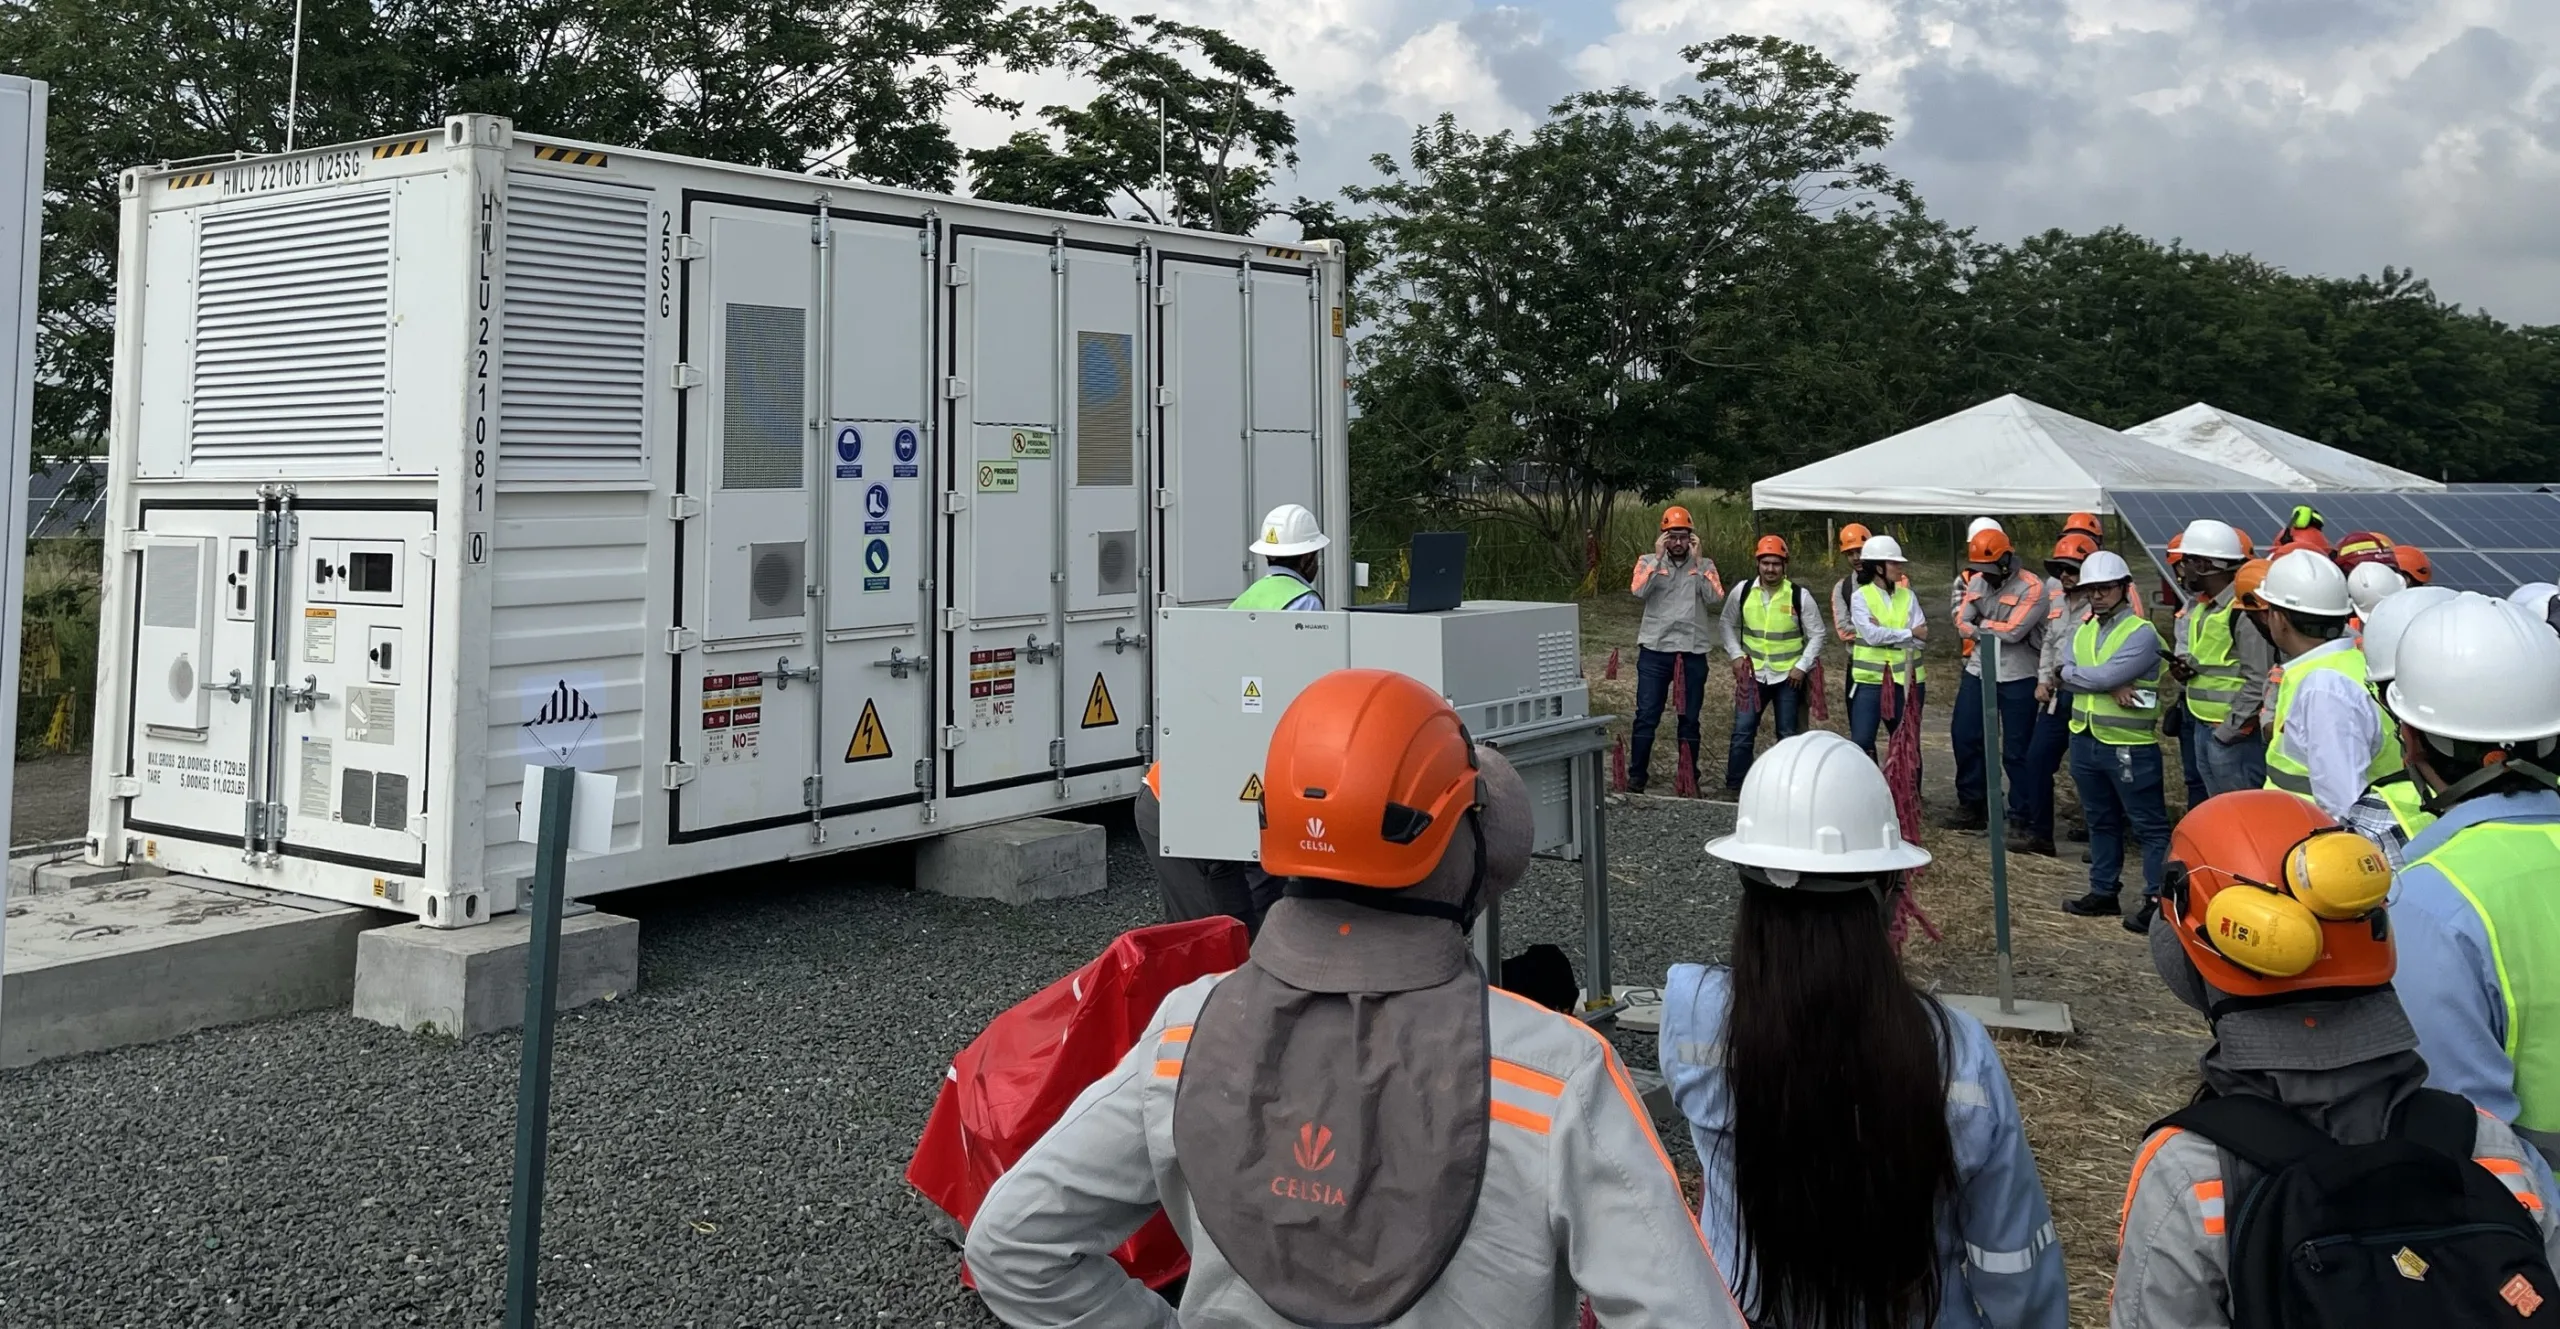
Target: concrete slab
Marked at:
135, 958
2035, 1017
1037, 858
463, 982
66, 871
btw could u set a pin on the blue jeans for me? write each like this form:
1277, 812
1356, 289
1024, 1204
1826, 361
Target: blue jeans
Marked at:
2191, 735
2229, 766
2045, 751
2017, 727
1787, 699
1653, 684
1866, 710
2120, 788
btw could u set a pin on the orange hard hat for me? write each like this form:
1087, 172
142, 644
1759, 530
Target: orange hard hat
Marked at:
2248, 547
1770, 546
1676, 518
1987, 547
2174, 542
2245, 584
2072, 548
2413, 564
1853, 537
2302, 537
2085, 521
2363, 547
1368, 775
2268, 896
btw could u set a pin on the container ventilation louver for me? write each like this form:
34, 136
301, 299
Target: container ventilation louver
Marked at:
292, 333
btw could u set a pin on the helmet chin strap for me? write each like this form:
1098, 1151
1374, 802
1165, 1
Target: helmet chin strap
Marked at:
2443, 799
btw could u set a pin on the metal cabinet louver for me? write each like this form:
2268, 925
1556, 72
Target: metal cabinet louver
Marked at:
292, 333
573, 387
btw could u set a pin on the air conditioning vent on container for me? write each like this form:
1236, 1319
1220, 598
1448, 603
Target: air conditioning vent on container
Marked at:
573, 383
1106, 409
1116, 563
293, 332
764, 397
774, 582
172, 584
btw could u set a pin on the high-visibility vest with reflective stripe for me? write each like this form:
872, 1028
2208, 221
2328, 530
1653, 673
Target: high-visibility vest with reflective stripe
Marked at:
2287, 773
1870, 664
2506, 871
2219, 675
2099, 714
1274, 591
1772, 629
2407, 802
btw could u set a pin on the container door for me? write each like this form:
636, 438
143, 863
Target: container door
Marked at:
1107, 697
207, 607
352, 665
877, 727
1208, 519
1280, 390
750, 557
1005, 676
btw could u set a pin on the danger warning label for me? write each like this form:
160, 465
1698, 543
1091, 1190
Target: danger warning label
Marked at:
1099, 713
870, 741
1252, 789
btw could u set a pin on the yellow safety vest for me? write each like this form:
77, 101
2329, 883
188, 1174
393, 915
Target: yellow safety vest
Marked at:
1772, 630
2099, 714
1870, 664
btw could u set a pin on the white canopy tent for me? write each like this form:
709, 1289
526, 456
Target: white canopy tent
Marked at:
2007, 455
2276, 457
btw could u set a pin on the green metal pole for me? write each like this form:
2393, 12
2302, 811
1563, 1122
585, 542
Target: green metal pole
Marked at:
1996, 816
533, 1087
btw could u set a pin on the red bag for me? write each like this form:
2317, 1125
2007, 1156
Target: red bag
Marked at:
1018, 1077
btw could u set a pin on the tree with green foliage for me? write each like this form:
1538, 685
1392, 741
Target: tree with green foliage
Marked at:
1569, 313
1188, 129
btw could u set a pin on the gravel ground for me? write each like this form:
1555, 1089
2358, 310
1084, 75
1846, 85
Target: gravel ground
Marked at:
728, 1145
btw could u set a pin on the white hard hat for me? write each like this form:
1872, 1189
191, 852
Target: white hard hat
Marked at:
2305, 581
2207, 538
2476, 670
1981, 524
2534, 596
2372, 583
1815, 803
1881, 549
1290, 529
2103, 567
2385, 622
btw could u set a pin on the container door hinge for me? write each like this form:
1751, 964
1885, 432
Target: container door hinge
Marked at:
688, 249
1147, 742
681, 640
954, 502
953, 736
1164, 499
133, 542
956, 275
924, 776
955, 387
679, 774
812, 791
682, 377
1058, 754
683, 507
128, 786
1164, 396
954, 618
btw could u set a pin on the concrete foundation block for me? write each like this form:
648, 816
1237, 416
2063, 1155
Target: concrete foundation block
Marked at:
1037, 858
136, 959
48, 873
463, 982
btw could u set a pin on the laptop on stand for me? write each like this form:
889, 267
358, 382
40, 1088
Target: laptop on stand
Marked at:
1438, 560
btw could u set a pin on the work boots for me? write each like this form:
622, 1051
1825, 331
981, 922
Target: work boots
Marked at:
1966, 818
2094, 905
2020, 842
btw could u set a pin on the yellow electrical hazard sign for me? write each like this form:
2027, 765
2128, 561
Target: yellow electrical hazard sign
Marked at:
1099, 713
870, 741
1252, 789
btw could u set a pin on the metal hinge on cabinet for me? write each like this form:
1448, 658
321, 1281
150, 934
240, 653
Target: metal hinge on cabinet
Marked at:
953, 736
955, 387
682, 376
683, 507
812, 791
956, 276
1164, 499
954, 618
955, 501
128, 787
1164, 396
679, 774
1057, 754
1147, 742
924, 775
681, 640
689, 249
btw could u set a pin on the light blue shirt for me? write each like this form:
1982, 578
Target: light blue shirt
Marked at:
2001, 1267
2447, 977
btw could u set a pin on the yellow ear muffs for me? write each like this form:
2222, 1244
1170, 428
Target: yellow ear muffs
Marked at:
2262, 931
2341, 875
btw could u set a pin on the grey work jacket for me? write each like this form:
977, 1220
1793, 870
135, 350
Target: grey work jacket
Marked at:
1679, 599
2173, 1260
1578, 1194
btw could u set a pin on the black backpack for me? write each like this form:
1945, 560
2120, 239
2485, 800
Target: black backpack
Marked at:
2407, 1230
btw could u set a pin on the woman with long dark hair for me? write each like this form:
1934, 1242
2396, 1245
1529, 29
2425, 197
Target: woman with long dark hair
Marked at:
1865, 1165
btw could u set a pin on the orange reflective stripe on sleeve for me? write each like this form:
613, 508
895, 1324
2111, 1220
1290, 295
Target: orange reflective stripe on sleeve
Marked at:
2504, 1167
2209, 1203
1522, 1118
2140, 1161
1168, 1070
2519, 1183
1514, 1074
1180, 1033
1644, 573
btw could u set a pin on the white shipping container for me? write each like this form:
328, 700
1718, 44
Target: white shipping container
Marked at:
817, 514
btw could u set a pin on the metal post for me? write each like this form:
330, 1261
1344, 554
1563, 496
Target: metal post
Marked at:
22, 115
293, 79
1587, 796
1996, 816
533, 1087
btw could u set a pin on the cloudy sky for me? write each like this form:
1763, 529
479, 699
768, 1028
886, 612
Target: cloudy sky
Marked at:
2327, 136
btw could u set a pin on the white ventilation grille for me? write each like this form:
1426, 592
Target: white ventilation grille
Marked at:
1106, 404
573, 384
172, 584
293, 333
764, 397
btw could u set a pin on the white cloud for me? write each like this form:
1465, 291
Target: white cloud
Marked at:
2331, 136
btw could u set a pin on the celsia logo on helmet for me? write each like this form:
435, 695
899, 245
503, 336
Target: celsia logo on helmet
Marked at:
1315, 843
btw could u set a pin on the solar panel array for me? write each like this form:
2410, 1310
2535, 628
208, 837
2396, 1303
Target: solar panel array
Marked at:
2479, 539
